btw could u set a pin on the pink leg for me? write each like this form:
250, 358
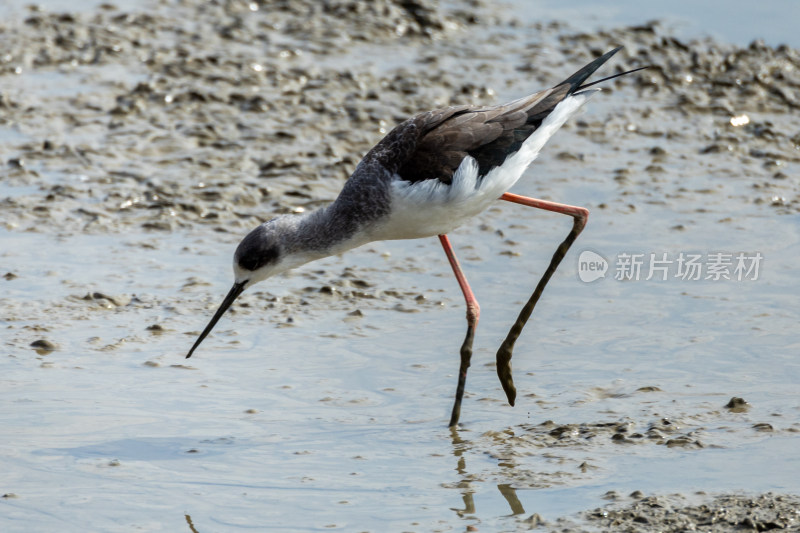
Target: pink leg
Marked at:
473, 313
580, 215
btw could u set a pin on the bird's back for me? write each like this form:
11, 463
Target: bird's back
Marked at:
437, 169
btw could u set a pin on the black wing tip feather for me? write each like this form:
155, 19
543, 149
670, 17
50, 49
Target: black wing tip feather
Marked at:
576, 80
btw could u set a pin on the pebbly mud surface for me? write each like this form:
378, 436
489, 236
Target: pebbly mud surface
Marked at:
243, 98
138, 145
767, 512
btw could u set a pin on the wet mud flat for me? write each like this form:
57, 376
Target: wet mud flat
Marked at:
150, 140
767, 512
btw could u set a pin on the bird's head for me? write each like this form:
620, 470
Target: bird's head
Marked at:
259, 256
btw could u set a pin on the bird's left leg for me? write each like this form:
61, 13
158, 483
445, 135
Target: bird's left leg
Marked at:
473, 313
580, 215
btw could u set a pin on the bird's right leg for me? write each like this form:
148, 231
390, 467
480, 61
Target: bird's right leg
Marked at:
579, 215
473, 313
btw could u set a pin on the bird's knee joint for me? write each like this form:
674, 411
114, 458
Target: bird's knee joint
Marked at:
473, 312
581, 217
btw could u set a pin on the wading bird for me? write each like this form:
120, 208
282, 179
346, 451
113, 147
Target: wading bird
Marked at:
428, 176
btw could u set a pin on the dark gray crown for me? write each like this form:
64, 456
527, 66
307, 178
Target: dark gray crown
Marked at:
258, 249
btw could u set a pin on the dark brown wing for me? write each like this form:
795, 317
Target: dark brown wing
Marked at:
488, 134
432, 145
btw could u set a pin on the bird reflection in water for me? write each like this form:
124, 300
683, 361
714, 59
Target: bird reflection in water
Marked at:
465, 484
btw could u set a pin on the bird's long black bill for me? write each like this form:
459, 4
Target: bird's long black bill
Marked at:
234, 293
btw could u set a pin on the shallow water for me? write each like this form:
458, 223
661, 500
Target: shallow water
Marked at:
297, 414
116, 430
735, 22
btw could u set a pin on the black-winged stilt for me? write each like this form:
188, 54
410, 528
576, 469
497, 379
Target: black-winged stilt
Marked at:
427, 177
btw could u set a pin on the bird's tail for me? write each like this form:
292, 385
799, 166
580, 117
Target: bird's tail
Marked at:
576, 80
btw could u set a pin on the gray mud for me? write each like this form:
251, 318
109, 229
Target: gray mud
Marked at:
151, 140
673, 514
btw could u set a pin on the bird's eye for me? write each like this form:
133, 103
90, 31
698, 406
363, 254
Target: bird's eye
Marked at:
256, 250
254, 258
